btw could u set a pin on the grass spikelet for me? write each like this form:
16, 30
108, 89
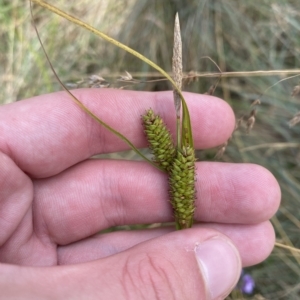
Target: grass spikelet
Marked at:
182, 187
160, 140
296, 91
295, 120
251, 120
96, 81
221, 150
177, 64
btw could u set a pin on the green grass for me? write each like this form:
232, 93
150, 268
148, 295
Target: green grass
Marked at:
241, 36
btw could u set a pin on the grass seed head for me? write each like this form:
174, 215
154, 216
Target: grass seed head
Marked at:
159, 138
296, 91
96, 81
191, 77
221, 150
295, 120
127, 77
182, 187
251, 120
255, 102
239, 122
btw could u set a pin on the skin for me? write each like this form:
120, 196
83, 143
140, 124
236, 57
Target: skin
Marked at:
54, 200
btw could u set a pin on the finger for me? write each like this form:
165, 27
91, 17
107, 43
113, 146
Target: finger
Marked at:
188, 264
49, 133
16, 192
96, 195
253, 248
254, 242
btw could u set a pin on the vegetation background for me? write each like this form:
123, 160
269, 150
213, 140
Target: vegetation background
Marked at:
241, 36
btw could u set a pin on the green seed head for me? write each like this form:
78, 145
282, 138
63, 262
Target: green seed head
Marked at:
180, 164
182, 188
159, 138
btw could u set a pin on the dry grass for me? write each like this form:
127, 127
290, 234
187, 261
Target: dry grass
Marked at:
240, 36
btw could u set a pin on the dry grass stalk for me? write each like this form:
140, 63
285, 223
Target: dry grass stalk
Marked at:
210, 91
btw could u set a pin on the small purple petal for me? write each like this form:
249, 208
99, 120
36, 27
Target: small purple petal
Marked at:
247, 284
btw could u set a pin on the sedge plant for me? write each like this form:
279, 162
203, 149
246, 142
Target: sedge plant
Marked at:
177, 159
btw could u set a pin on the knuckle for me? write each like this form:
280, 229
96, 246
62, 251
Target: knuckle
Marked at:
151, 276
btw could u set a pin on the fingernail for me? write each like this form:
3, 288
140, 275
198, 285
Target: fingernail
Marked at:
220, 265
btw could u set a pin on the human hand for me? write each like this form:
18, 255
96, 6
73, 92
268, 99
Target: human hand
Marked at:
54, 201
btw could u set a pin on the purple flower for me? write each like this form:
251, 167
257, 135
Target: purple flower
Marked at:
247, 284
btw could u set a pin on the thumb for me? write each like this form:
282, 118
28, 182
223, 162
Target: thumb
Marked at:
195, 263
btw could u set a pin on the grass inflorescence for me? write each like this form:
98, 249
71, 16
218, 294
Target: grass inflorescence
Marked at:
160, 140
182, 187
179, 164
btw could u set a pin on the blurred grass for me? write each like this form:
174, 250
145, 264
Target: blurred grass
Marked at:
239, 35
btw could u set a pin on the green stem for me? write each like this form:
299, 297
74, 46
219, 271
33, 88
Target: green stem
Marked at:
178, 133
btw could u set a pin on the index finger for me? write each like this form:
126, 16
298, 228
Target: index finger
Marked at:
47, 134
